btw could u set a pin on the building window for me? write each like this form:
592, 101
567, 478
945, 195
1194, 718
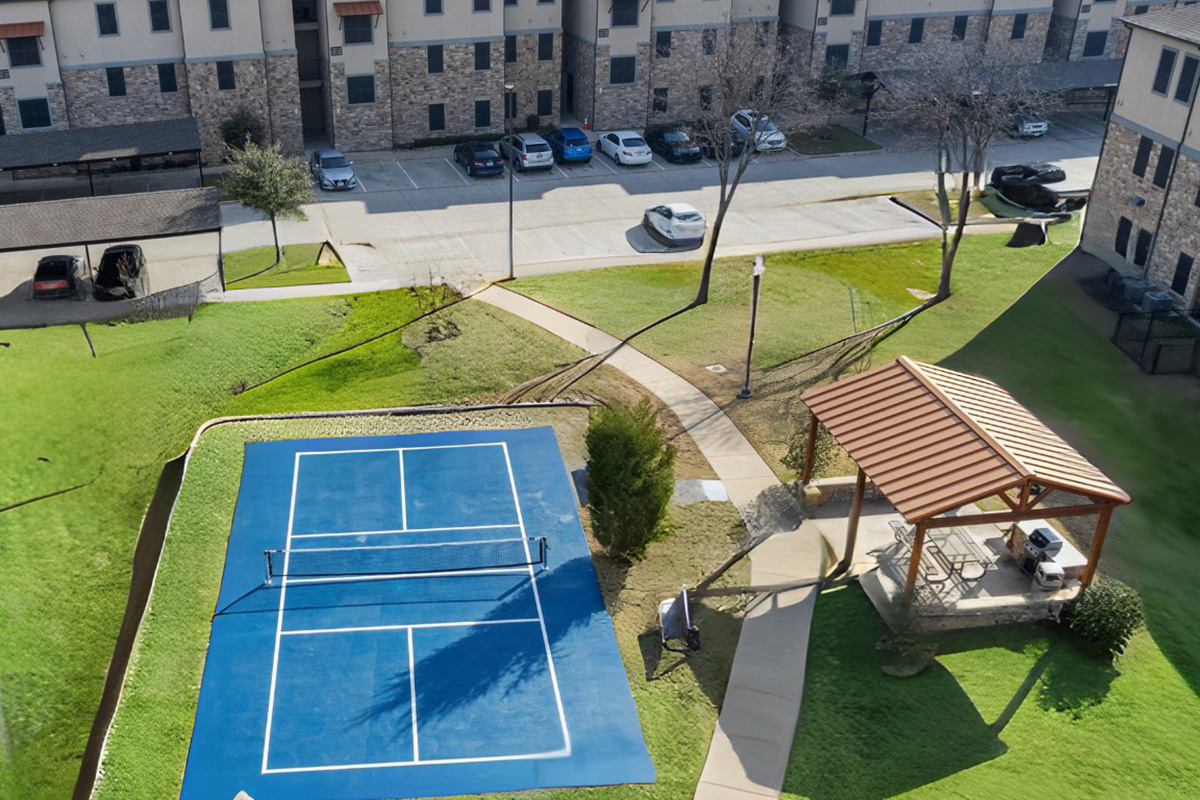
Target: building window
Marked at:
160, 16
357, 29
839, 8
116, 81
1166, 159
433, 55
24, 51
34, 113
1019, 23
837, 55
706, 101
483, 5
1143, 156
545, 102
106, 18
960, 28
1183, 271
1187, 79
874, 32
218, 14
510, 105
166, 78
1094, 44
662, 44
360, 90
1162, 76
660, 101
708, 41
434, 7
437, 117
1140, 10
510, 49
916, 30
510, 2
225, 79
483, 55
1141, 251
545, 47
483, 113
1124, 230
624, 13
622, 69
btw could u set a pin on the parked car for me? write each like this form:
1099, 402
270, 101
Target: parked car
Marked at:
673, 144
712, 143
332, 169
57, 277
527, 151
570, 146
758, 129
1029, 126
1038, 187
479, 158
675, 224
625, 147
122, 274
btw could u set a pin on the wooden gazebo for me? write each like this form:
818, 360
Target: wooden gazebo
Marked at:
933, 440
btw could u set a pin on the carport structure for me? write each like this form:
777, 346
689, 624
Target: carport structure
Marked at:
933, 440
101, 145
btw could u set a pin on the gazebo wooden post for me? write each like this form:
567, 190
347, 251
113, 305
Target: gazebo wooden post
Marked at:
1089, 571
915, 564
806, 473
860, 489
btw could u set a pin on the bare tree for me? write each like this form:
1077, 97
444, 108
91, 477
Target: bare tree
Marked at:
968, 94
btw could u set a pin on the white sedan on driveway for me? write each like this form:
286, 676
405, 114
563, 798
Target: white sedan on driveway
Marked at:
675, 224
625, 147
758, 128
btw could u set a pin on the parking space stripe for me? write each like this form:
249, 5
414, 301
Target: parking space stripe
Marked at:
407, 176
607, 165
360, 185
454, 169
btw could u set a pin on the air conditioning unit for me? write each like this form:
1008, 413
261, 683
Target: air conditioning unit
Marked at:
1157, 301
1136, 287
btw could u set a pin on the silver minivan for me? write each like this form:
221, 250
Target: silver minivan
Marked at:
527, 151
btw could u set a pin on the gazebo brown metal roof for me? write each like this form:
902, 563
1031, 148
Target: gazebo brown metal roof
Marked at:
933, 440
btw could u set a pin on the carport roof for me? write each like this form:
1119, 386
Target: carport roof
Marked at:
1051, 76
97, 220
106, 143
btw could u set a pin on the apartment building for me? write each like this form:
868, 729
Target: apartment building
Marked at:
1080, 29
364, 75
627, 63
1144, 215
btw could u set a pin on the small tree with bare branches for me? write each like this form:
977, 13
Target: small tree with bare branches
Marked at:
968, 94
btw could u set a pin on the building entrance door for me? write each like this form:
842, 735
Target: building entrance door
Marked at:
312, 110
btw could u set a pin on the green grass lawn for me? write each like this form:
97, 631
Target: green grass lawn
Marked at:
830, 140
297, 268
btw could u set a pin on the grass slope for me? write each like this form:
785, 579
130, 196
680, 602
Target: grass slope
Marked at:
298, 267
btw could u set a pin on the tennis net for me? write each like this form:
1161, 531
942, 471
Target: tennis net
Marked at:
405, 559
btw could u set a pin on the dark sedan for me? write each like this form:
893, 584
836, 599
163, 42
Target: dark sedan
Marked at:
57, 276
122, 274
1038, 187
479, 158
673, 144
712, 143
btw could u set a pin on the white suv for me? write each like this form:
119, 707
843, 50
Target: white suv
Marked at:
527, 151
766, 136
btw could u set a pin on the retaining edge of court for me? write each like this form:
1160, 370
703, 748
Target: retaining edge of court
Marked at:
152, 537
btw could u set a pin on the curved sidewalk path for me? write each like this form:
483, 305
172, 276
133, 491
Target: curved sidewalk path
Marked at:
750, 747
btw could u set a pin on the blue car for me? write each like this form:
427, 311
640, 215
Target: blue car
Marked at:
570, 146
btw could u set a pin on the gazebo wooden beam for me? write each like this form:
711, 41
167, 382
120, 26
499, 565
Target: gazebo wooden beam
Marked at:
914, 564
994, 517
809, 450
1089, 572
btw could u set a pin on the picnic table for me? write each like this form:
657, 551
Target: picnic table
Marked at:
946, 551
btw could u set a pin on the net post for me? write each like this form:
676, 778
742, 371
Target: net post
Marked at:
545, 553
267, 558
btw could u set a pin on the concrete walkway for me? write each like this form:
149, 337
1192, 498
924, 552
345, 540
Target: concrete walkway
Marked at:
750, 747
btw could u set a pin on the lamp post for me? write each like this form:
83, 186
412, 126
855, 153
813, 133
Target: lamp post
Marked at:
759, 268
508, 116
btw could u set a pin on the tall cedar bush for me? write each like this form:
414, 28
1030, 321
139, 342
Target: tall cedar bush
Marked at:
1106, 615
631, 476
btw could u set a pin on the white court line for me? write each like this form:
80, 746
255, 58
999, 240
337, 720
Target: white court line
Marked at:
655, 163
456, 172
407, 176
560, 172
399, 575
606, 164
394, 449
480, 760
360, 185
410, 627
403, 502
405, 530
279, 621
537, 600
412, 690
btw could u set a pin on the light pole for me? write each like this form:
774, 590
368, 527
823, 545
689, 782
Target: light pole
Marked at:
508, 115
759, 268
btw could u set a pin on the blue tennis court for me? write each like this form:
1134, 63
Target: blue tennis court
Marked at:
410, 616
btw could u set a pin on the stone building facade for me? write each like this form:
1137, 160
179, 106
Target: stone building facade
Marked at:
680, 74
455, 89
212, 105
621, 105
362, 126
283, 89
90, 103
579, 92
533, 77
